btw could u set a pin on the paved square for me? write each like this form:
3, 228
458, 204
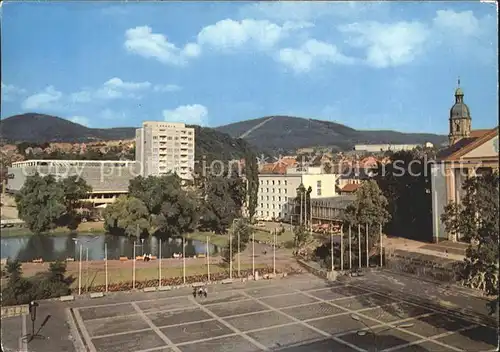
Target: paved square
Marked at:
284, 315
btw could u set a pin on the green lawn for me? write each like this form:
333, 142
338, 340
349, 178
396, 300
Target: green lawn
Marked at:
98, 277
222, 240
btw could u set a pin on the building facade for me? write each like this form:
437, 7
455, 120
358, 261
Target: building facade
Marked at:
108, 179
277, 191
165, 147
471, 153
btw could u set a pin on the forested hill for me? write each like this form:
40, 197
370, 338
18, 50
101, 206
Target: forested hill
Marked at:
40, 129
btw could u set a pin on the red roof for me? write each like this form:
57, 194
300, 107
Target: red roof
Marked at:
351, 187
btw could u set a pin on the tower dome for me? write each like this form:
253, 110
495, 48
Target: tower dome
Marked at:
460, 120
459, 110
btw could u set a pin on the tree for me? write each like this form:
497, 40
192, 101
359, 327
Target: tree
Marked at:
40, 203
171, 209
369, 208
252, 176
476, 220
242, 230
177, 214
405, 182
303, 204
75, 189
154, 190
126, 216
18, 288
223, 200
301, 236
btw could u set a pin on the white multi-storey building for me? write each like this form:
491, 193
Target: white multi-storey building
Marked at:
276, 190
165, 147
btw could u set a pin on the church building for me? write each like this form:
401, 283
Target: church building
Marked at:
470, 153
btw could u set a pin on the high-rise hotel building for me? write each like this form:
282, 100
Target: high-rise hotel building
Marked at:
163, 147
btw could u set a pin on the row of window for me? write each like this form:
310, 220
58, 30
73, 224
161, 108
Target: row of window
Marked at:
273, 214
273, 190
273, 182
274, 198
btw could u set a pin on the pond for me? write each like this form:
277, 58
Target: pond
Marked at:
51, 248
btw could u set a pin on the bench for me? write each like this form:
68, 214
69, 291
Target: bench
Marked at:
38, 261
123, 259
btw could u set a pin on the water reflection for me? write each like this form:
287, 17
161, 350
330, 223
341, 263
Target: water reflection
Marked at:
50, 248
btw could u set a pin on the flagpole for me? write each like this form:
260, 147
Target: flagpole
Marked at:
342, 247
231, 253
350, 249
359, 246
381, 248
80, 272
159, 264
133, 268
238, 253
274, 254
208, 262
367, 256
183, 260
253, 254
106, 263
331, 247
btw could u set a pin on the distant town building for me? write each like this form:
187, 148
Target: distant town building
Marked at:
108, 179
375, 148
165, 147
471, 153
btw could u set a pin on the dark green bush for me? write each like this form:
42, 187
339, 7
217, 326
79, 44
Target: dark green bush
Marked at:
20, 290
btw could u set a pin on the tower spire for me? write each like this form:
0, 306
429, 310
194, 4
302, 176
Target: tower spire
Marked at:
458, 81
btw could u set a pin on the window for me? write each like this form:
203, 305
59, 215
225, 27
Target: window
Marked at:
285, 190
279, 199
285, 182
267, 190
279, 182
273, 182
262, 205
318, 188
267, 197
273, 198
267, 182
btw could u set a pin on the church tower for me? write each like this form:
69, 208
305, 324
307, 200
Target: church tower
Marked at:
460, 119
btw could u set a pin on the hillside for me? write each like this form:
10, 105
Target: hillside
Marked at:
46, 128
39, 128
286, 133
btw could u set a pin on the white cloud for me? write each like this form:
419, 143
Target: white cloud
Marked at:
11, 92
230, 34
117, 83
311, 54
47, 99
82, 120
114, 88
388, 44
166, 88
142, 41
190, 114
462, 23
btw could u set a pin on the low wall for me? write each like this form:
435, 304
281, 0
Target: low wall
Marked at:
314, 268
434, 268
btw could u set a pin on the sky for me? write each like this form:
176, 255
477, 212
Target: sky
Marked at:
369, 65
